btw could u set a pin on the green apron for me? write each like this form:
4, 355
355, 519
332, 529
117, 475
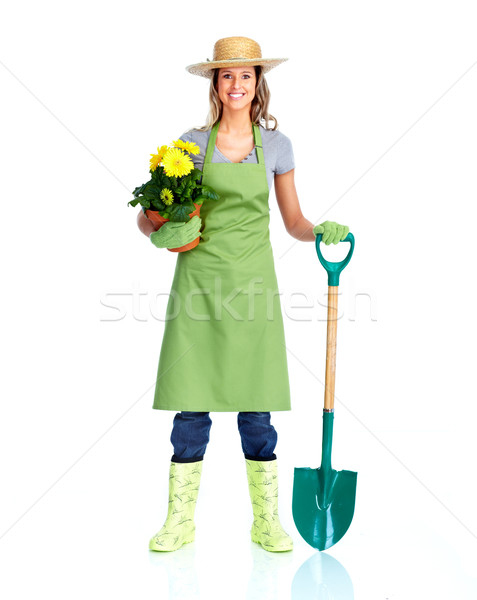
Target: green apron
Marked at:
223, 347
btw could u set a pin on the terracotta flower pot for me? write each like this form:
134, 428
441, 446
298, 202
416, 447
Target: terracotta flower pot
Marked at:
159, 221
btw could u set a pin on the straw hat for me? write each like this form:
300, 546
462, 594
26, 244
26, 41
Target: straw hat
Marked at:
234, 52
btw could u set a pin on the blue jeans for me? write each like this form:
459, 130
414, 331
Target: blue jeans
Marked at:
190, 435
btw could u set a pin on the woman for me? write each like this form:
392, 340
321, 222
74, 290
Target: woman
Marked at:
223, 347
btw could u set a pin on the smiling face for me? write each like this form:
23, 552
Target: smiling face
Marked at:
236, 87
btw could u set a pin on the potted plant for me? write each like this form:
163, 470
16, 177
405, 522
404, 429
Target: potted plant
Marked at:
173, 193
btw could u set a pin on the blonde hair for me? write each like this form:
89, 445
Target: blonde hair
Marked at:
258, 111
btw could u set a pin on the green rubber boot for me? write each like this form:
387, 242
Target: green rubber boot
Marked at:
179, 528
263, 487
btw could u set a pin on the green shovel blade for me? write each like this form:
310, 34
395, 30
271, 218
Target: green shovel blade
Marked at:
323, 499
323, 505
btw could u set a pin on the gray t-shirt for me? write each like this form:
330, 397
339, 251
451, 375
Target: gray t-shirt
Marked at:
277, 151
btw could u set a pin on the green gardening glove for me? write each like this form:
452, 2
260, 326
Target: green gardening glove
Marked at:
174, 234
332, 232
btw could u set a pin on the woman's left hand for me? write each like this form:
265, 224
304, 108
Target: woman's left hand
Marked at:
175, 234
332, 232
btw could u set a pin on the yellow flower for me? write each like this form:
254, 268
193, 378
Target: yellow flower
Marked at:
176, 163
166, 196
189, 147
156, 159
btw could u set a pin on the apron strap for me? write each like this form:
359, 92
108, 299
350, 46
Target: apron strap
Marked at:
257, 138
211, 144
258, 144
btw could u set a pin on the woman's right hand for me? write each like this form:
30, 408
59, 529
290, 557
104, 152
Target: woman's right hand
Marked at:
176, 234
332, 232
146, 226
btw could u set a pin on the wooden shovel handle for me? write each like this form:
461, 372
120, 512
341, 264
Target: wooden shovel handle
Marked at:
331, 347
333, 269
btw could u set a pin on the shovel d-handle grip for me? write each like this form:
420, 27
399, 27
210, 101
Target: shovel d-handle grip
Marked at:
334, 268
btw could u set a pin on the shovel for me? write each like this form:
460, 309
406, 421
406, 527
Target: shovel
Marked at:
323, 499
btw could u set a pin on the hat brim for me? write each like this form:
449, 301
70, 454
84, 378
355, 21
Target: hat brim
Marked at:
206, 69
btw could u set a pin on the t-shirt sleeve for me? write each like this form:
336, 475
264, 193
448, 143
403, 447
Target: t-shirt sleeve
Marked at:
285, 159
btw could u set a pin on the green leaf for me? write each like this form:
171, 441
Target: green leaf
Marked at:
172, 183
195, 174
186, 193
186, 179
158, 204
149, 195
180, 212
139, 190
208, 192
141, 200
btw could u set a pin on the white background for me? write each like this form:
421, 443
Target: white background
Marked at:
379, 101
